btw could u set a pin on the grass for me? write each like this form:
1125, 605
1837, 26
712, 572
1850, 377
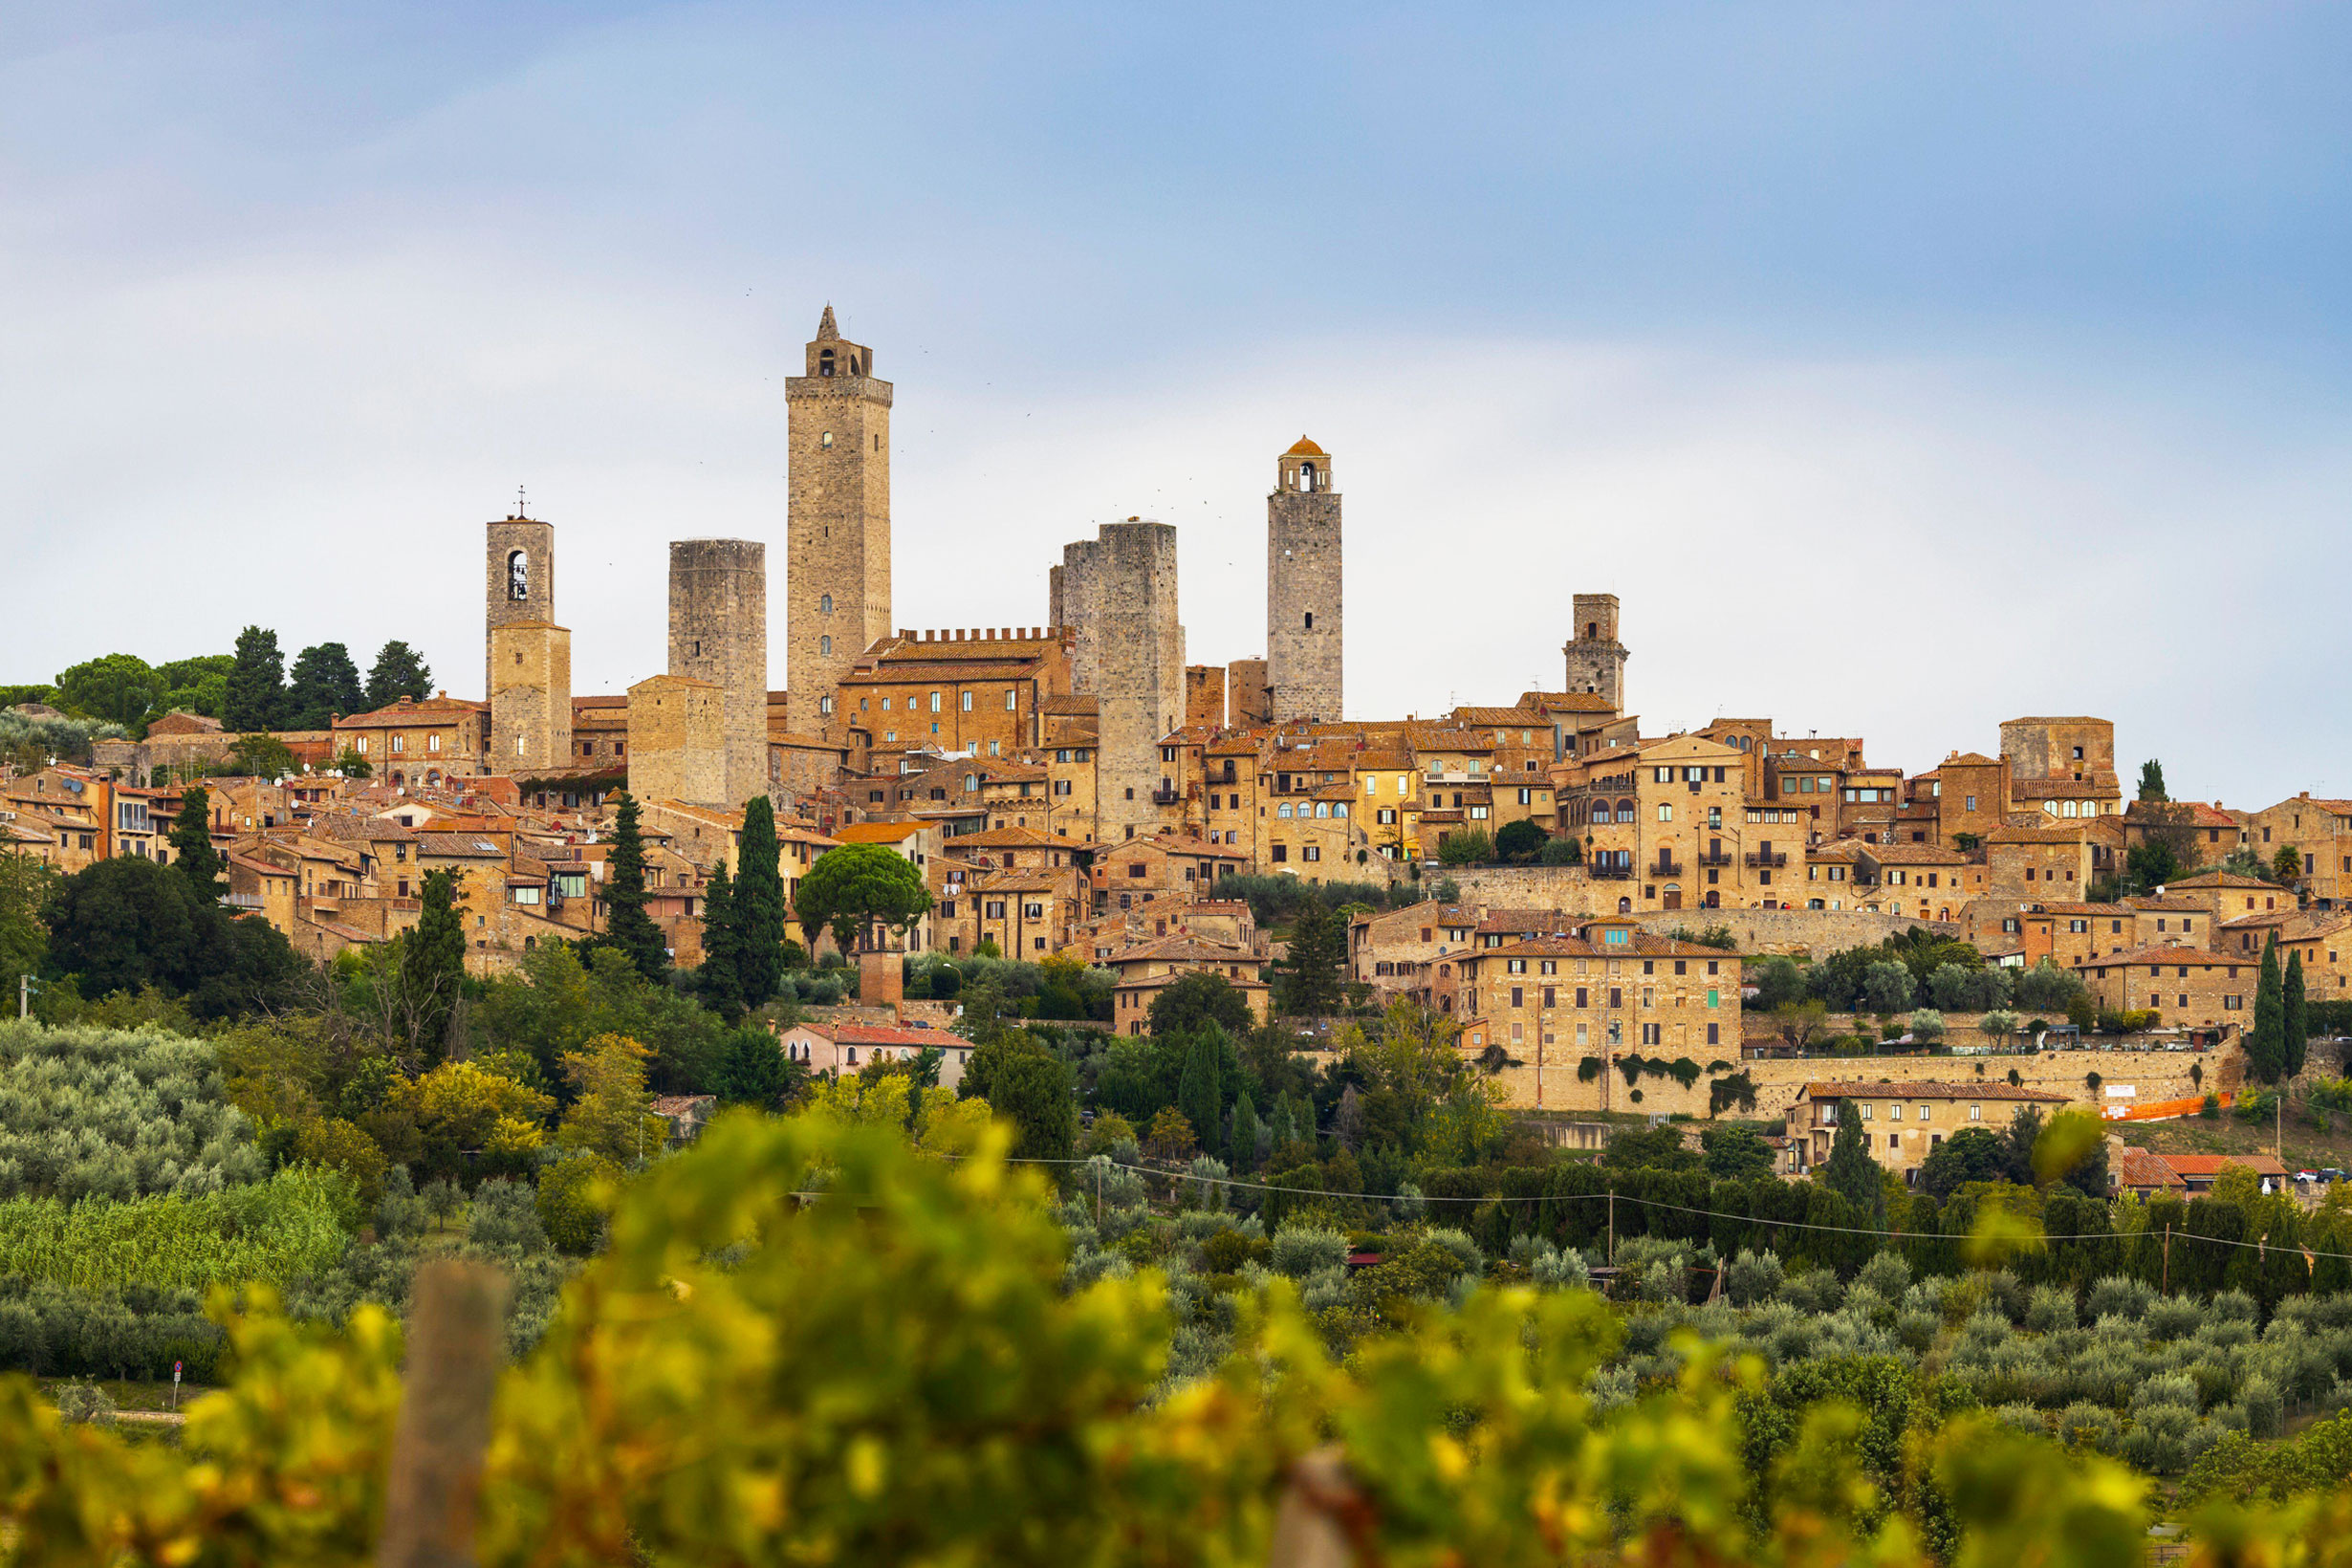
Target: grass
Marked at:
2312, 1137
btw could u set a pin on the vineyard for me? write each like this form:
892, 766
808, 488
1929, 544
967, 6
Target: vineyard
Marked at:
269, 1232
897, 1370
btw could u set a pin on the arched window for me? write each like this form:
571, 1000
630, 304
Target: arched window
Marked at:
824, 705
824, 602
824, 362
1624, 811
824, 644
1624, 906
1592, 631
518, 576
1306, 476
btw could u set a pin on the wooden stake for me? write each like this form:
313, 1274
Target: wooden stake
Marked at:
456, 1340
2168, 1286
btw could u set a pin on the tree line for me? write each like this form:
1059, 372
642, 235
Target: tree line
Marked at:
249, 690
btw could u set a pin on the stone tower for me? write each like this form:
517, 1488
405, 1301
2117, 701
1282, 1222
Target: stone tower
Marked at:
1203, 696
838, 546
1247, 704
1117, 594
530, 697
519, 583
718, 632
1304, 649
1596, 657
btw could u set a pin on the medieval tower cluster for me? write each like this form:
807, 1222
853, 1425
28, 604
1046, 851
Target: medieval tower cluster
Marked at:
704, 729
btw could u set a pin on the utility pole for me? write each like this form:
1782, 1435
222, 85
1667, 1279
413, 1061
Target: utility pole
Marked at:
1612, 1224
2167, 1275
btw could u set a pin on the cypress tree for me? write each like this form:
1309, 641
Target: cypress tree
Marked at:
2266, 1044
1311, 968
433, 966
398, 673
629, 927
1199, 1090
1851, 1172
759, 905
192, 846
255, 694
720, 978
1241, 1151
2294, 1019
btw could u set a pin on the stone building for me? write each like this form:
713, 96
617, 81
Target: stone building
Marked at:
1117, 594
718, 633
1205, 696
838, 546
418, 743
1596, 657
530, 698
1304, 646
1248, 704
519, 581
2079, 749
677, 744
980, 690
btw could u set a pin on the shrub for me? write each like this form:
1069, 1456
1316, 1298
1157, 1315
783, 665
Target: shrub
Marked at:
1300, 1251
2049, 1308
2119, 1296
117, 1114
1754, 1278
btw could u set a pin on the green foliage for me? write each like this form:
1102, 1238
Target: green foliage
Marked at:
1777, 981
856, 887
1887, 987
116, 688
269, 1231
398, 673
1851, 1172
254, 697
2152, 781
261, 755
2046, 987
126, 924
1649, 1148
1471, 846
574, 1198
116, 1113
1735, 1154
26, 885
1197, 1000
1564, 850
2266, 1041
2287, 866
1308, 977
1276, 901
192, 846
719, 981
759, 906
2294, 1019
433, 972
1521, 842
627, 928
324, 684
1200, 1092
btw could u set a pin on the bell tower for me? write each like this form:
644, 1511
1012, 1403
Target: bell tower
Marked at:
520, 580
1595, 660
837, 551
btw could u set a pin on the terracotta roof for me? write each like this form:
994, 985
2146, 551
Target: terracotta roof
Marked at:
459, 847
1303, 447
877, 833
1006, 839
844, 1034
1183, 948
1913, 855
2210, 1165
406, 711
2196, 814
2225, 878
2138, 1167
2147, 902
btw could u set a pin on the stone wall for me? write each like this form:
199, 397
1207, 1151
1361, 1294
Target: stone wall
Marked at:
677, 740
530, 698
2150, 1075
718, 632
1246, 702
1203, 696
1797, 932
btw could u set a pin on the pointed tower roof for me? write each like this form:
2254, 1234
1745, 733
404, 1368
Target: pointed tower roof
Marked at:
1306, 448
826, 331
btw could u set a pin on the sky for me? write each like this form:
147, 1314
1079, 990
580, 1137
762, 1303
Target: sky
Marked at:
1902, 369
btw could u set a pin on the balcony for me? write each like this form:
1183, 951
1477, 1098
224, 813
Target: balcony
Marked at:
1165, 798
1767, 859
1664, 868
1716, 857
1614, 873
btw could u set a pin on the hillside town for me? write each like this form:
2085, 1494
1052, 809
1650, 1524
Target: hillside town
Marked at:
1573, 882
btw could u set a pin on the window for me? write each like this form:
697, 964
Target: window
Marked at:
1315, 852
824, 645
1011, 700
1665, 812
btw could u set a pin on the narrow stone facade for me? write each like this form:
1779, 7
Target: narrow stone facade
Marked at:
677, 740
518, 581
718, 632
530, 697
1303, 644
1248, 704
837, 529
1117, 593
1203, 696
1596, 657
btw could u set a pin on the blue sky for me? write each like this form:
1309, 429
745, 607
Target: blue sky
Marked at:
1902, 368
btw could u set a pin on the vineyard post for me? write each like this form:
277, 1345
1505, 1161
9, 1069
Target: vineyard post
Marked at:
1612, 1224
454, 1345
2167, 1284
1098, 1197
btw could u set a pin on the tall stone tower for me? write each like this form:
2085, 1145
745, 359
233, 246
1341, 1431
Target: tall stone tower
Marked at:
718, 633
1117, 594
1304, 649
519, 583
677, 739
838, 546
1596, 657
530, 697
